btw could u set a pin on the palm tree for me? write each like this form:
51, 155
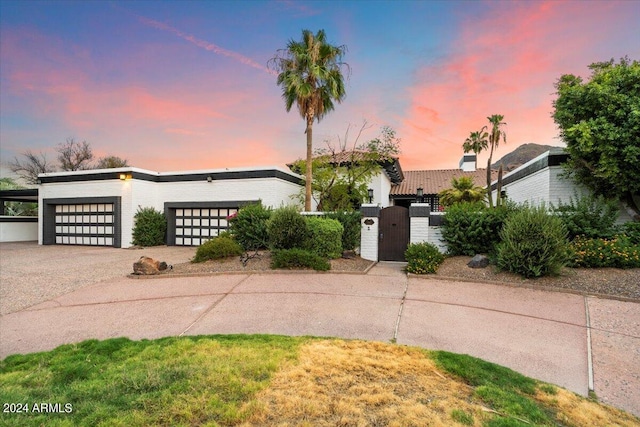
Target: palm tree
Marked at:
477, 141
464, 190
310, 76
497, 133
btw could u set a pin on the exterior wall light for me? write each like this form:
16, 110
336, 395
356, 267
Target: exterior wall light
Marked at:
370, 194
420, 194
209, 179
125, 176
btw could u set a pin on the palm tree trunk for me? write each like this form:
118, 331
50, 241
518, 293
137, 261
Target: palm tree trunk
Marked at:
489, 196
308, 174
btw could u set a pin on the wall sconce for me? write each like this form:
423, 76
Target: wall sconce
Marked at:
209, 179
370, 194
125, 176
503, 194
420, 194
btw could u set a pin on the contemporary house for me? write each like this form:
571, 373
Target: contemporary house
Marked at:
97, 207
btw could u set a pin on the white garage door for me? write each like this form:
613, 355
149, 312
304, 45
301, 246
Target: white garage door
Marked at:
85, 224
197, 225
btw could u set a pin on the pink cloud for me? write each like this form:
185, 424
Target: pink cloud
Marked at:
505, 61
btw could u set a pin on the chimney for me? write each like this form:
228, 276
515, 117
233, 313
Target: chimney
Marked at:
468, 163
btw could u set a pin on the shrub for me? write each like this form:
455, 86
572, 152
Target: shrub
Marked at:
298, 258
351, 225
149, 227
618, 252
287, 229
249, 226
590, 216
324, 237
631, 231
423, 258
472, 228
217, 248
533, 244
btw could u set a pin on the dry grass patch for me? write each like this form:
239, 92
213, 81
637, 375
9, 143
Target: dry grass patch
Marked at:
355, 383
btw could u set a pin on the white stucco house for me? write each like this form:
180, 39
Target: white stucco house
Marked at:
97, 207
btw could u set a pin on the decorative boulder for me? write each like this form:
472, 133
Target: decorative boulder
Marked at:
148, 266
479, 261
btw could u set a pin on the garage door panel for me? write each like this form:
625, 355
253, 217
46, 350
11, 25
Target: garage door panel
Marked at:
85, 224
193, 226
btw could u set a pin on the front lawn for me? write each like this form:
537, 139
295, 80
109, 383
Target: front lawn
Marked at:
273, 380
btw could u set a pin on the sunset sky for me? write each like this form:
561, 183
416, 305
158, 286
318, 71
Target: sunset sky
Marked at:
178, 85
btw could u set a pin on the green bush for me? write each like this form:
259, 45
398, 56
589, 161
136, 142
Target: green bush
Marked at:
324, 237
631, 231
618, 252
473, 228
150, 227
423, 258
351, 224
533, 244
591, 216
249, 226
298, 258
287, 229
217, 248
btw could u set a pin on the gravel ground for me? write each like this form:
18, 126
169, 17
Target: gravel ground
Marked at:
262, 262
31, 274
612, 282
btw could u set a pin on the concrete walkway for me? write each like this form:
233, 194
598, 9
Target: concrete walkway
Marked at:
577, 342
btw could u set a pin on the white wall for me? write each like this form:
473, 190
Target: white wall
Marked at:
381, 186
18, 231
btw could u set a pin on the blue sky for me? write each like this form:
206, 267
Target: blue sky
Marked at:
184, 85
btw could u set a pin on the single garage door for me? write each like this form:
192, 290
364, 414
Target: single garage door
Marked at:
194, 226
85, 224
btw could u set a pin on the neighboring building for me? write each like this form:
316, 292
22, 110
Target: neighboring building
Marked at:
542, 181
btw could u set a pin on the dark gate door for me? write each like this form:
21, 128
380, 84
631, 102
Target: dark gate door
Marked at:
393, 237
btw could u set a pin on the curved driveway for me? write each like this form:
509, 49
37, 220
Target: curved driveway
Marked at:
577, 342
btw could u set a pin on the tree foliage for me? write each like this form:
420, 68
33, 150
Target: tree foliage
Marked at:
599, 120
310, 75
463, 190
111, 162
342, 171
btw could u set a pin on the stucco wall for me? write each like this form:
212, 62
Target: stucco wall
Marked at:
18, 229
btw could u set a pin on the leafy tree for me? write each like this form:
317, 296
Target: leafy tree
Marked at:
31, 166
74, 156
111, 162
599, 120
464, 190
341, 174
310, 77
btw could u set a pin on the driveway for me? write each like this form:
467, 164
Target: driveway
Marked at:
577, 342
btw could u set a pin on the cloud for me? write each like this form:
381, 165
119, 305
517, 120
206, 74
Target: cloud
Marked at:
505, 61
212, 47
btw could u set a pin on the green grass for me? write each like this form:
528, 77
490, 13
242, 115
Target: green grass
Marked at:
171, 381
501, 389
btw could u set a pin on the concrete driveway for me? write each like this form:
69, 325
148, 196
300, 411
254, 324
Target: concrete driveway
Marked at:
577, 342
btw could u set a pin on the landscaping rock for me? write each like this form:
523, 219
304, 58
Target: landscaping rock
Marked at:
479, 261
148, 266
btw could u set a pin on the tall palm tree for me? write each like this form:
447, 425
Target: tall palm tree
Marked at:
310, 77
497, 133
463, 190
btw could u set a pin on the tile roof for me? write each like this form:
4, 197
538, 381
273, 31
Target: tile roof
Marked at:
434, 181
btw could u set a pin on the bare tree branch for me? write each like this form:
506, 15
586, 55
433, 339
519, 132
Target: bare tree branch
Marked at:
74, 156
33, 165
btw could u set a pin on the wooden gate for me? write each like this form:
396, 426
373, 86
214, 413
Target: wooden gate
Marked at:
393, 237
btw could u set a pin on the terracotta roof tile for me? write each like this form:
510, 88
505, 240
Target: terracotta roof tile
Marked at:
434, 181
